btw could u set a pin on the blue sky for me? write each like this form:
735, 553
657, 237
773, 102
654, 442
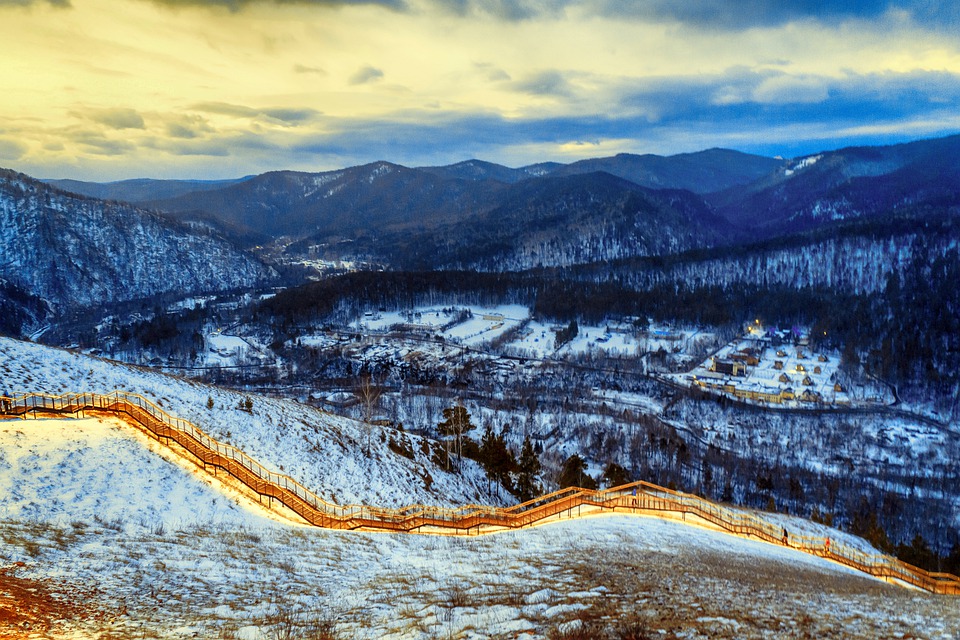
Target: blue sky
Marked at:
114, 89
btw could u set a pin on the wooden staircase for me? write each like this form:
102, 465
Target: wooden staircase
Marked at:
639, 498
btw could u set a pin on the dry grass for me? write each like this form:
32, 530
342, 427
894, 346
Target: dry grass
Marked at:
217, 582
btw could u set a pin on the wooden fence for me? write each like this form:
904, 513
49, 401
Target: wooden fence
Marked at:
636, 498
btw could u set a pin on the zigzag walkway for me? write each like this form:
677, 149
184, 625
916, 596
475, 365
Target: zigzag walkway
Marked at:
635, 498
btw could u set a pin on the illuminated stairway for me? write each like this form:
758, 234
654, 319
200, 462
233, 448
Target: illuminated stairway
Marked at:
639, 498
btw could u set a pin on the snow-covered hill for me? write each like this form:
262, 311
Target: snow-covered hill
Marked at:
101, 535
854, 264
324, 452
99, 470
72, 250
224, 572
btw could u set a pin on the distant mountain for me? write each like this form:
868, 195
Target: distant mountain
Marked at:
139, 190
480, 170
557, 221
74, 251
702, 172
846, 184
339, 204
383, 209
477, 214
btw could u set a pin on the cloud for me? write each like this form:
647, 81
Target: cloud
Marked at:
287, 116
732, 15
545, 83
291, 115
666, 115
187, 126
103, 146
365, 75
115, 118
238, 5
786, 89
507, 10
739, 14
218, 147
299, 68
491, 72
226, 109
63, 4
11, 149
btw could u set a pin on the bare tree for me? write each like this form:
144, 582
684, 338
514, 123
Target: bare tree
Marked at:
369, 390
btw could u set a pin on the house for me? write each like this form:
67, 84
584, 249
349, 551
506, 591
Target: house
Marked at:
784, 378
822, 358
759, 394
800, 368
809, 395
729, 367
788, 394
807, 382
838, 388
781, 353
801, 355
778, 365
746, 356
817, 369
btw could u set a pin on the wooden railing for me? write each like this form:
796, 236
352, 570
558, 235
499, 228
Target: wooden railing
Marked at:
638, 497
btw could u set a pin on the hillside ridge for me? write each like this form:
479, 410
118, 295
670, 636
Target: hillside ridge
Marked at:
633, 498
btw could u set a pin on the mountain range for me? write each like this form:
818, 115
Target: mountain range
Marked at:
481, 215
63, 251
73, 244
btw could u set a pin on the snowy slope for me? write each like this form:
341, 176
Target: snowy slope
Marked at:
253, 581
72, 250
322, 451
88, 511
60, 471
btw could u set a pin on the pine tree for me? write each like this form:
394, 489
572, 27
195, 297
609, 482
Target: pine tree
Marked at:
456, 422
496, 458
528, 467
574, 474
615, 475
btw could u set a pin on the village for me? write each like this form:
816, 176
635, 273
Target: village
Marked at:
775, 366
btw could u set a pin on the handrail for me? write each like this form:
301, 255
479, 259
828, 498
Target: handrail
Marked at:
635, 497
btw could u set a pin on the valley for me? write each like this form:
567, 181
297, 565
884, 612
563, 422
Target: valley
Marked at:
776, 336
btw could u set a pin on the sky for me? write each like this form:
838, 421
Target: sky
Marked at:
207, 89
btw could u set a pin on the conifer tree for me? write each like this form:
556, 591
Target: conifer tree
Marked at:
528, 468
574, 474
496, 458
456, 422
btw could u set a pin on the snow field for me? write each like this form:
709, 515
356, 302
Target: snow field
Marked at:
536, 339
483, 325
96, 469
247, 581
323, 452
163, 554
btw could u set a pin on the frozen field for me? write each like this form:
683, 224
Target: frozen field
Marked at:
224, 572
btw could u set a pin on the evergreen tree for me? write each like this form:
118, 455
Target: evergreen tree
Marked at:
496, 458
456, 422
574, 474
528, 467
919, 554
615, 475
